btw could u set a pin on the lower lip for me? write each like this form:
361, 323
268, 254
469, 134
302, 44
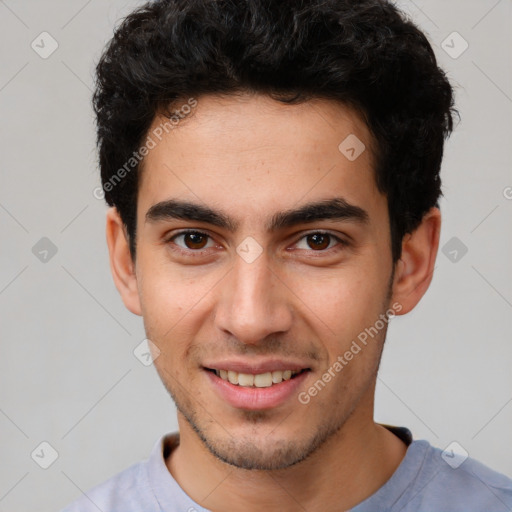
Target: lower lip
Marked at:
256, 398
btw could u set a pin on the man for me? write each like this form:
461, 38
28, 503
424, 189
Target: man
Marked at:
273, 173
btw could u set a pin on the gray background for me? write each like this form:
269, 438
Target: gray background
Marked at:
68, 375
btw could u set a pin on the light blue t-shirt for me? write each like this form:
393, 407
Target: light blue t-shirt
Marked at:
423, 482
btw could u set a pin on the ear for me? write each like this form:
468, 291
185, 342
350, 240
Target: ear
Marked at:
414, 270
121, 263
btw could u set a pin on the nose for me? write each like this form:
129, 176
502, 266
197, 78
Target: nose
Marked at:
254, 302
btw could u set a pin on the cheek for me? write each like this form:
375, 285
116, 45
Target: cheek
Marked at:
164, 309
166, 294
344, 300
175, 306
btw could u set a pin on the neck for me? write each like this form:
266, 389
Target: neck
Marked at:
348, 468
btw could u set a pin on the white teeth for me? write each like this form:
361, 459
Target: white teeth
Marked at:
277, 377
232, 377
261, 380
245, 379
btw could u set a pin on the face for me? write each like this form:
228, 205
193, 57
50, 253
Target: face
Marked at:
263, 251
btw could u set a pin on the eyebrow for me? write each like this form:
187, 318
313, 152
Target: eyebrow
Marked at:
328, 209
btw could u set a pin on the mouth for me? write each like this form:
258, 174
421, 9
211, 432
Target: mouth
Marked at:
262, 387
259, 380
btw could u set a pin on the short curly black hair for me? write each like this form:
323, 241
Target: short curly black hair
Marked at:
365, 54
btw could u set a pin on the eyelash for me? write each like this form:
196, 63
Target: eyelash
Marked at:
200, 252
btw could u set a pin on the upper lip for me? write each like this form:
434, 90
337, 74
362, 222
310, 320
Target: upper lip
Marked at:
255, 367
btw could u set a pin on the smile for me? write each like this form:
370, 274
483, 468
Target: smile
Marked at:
260, 380
257, 383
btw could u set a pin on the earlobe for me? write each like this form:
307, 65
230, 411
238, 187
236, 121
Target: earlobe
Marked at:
121, 263
414, 270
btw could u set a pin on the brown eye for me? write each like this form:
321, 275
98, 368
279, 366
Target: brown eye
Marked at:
194, 240
318, 241
191, 241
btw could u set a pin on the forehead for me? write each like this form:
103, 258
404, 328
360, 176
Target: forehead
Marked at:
252, 154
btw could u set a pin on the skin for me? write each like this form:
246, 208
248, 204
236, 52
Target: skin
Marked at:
251, 157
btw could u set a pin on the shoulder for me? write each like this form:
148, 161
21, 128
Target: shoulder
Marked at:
122, 492
449, 481
142, 486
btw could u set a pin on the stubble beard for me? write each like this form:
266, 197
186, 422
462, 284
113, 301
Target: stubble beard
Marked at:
277, 454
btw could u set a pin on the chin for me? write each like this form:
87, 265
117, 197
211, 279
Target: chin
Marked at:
261, 449
253, 454
256, 440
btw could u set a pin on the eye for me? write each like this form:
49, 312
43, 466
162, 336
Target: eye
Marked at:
194, 243
191, 241
320, 241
